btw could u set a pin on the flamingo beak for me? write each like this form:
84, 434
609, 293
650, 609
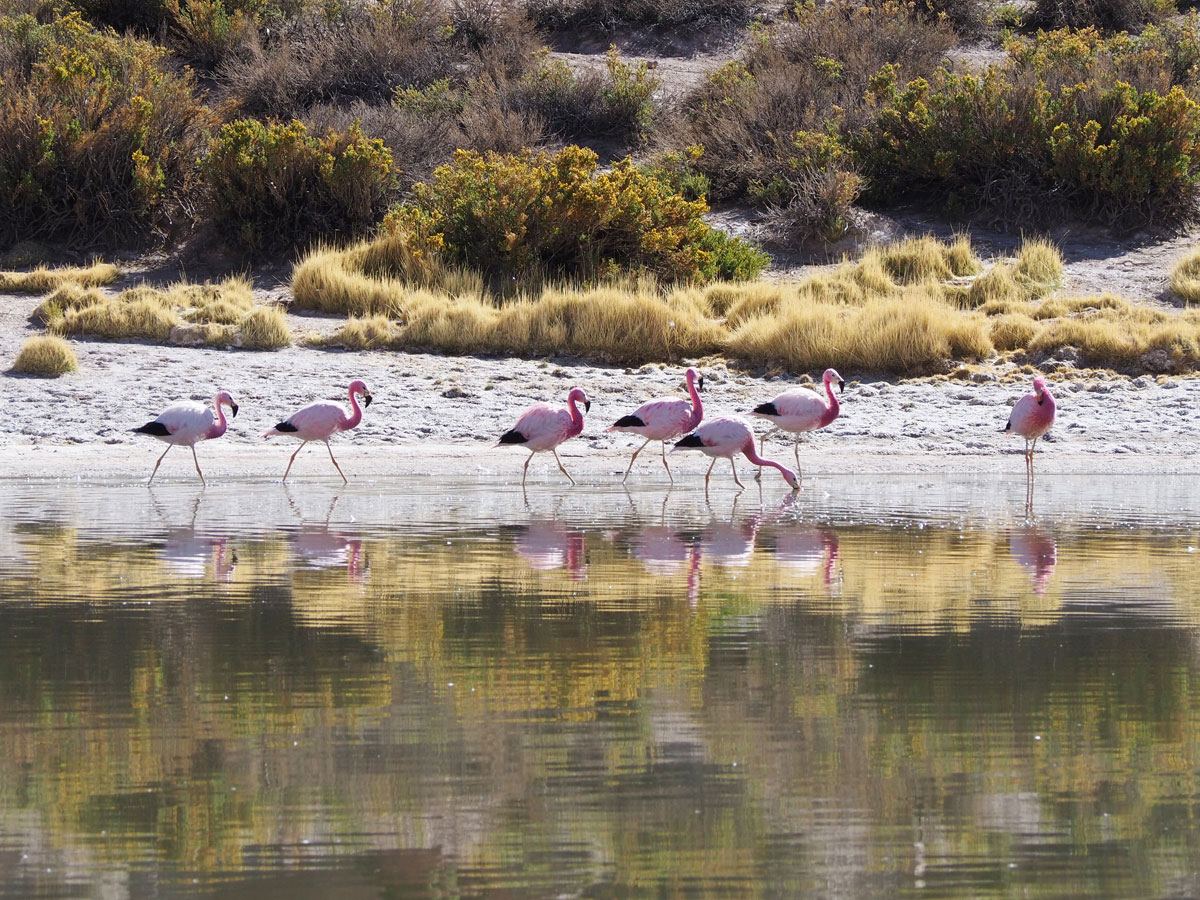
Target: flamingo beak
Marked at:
700, 383
587, 405
841, 385
234, 407
366, 399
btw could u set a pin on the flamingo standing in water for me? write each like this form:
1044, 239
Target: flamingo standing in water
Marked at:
664, 419
800, 410
186, 423
1031, 418
320, 421
542, 428
726, 437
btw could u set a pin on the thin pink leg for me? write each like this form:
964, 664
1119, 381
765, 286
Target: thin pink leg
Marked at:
335, 463
159, 463
197, 462
292, 460
635, 456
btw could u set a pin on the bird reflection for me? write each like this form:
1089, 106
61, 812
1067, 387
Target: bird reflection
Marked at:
546, 544
188, 553
807, 550
1035, 550
317, 546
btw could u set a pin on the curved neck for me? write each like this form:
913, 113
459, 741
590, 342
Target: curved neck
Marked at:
576, 417
355, 413
832, 410
697, 405
748, 452
217, 428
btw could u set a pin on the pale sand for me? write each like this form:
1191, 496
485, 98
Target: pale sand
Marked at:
439, 416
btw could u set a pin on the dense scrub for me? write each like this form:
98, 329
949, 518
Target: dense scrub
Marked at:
97, 140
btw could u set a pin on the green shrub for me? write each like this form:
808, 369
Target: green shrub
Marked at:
47, 356
97, 140
277, 186
1057, 121
572, 18
805, 77
532, 217
1106, 15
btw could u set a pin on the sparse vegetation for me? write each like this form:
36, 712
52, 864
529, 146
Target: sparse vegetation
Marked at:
1105, 15
220, 314
570, 19
46, 356
44, 279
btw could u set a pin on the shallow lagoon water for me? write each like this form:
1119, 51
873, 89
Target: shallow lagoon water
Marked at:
879, 687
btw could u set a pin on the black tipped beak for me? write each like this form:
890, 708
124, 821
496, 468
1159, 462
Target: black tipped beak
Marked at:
366, 399
700, 383
587, 405
841, 385
234, 407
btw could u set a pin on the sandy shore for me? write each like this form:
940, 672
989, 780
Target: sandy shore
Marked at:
439, 416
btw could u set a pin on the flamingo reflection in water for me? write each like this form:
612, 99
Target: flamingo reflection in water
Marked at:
546, 545
805, 549
1036, 551
194, 554
318, 546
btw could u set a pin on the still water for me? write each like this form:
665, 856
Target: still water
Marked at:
880, 687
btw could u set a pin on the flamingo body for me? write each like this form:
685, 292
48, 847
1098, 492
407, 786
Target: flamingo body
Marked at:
186, 423
726, 437
543, 427
664, 419
1031, 417
800, 410
320, 421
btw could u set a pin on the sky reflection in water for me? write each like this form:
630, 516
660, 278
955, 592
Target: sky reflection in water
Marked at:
880, 687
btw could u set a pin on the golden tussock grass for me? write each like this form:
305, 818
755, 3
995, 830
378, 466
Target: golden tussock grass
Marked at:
914, 307
43, 279
219, 313
1185, 278
47, 356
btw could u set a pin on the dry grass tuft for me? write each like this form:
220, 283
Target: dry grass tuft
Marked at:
924, 259
47, 356
221, 313
364, 333
43, 279
1039, 266
333, 281
1185, 278
265, 328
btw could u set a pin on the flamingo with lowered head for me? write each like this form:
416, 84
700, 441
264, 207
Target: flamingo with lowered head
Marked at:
542, 428
728, 436
320, 421
187, 423
1031, 418
800, 410
664, 419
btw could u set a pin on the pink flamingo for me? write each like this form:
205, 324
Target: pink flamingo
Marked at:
800, 410
320, 421
726, 437
187, 423
542, 428
663, 419
1032, 417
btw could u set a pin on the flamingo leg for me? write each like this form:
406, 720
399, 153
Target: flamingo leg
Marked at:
159, 463
708, 474
796, 450
762, 443
664, 458
335, 463
525, 471
733, 466
292, 460
197, 462
631, 459
561, 468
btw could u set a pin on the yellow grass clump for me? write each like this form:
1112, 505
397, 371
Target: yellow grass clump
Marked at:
1185, 278
47, 356
363, 333
210, 313
924, 259
1039, 266
43, 279
329, 280
265, 328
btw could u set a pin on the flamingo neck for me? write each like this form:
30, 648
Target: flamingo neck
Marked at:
748, 452
576, 417
352, 420
832, 410
217, 428
697, 406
